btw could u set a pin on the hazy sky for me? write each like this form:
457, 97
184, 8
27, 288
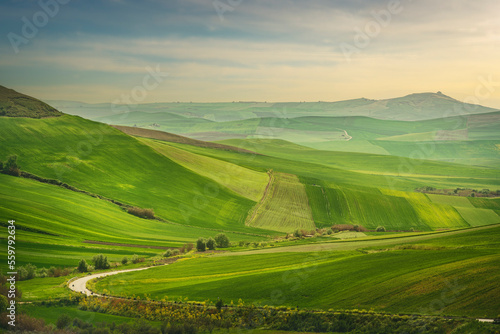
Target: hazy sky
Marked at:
265, 50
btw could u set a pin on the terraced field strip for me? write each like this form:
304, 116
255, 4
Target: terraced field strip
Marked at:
284, 206
472, 215
243, 181
349, 245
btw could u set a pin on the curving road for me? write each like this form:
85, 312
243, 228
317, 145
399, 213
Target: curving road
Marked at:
80, 284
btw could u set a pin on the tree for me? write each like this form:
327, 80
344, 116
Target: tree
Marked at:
201, 245
63, 321
11, 167
101, 262
30, 271
222, 240
83, 267
211, 243
219, 304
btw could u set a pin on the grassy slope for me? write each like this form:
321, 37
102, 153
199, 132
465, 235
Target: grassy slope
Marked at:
284, 207
72, 218
357, 203
421, 171
435, 276
243, 181
103, 160
475, 216
371, 207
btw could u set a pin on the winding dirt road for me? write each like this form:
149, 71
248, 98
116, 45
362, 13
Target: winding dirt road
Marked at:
80, 284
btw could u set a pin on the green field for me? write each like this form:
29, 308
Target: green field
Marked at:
243, 181
103, 160
53, 223
472, 215
370, 208
271, 169
284, 207
435, 276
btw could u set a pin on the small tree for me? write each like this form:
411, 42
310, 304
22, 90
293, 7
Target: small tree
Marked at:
168, 253
83, 267
222, 240
124, 260
63, 321
219, 304
201, 245
101, 262
211, 244
380, 229
11, 167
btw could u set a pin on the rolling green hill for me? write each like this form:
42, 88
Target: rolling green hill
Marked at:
56, 226
103, 160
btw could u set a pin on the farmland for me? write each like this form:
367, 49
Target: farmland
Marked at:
380, 278
274, 183
53, 224
284, 207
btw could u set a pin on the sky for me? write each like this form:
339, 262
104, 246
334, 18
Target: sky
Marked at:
250, 50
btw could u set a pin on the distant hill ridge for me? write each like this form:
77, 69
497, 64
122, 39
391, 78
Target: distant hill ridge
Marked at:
14, 104
412, 107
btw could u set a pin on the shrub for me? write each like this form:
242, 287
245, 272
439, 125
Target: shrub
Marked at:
201, 245
43, 272
211, 244
329, 232
124, 260
137, 259
83, 267
168, 253
142, 213
222, 240
241, 243
380, 229
176, 252
101, 262
219, 304
22, 273
63, 321
189, 247
348, 227
297, 234
10, 167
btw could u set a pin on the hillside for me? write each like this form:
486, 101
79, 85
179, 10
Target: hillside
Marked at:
14, 104
103, 160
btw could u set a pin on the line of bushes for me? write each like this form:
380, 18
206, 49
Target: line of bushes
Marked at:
220, 241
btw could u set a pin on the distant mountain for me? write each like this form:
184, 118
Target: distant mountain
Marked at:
413, 107
14, 104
